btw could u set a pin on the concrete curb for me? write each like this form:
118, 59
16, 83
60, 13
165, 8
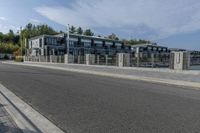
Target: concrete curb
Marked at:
26, 118
194, 85
164, 70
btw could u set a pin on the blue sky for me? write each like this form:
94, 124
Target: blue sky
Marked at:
170, 23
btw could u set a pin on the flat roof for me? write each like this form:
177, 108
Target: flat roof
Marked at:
77, 35
146, 45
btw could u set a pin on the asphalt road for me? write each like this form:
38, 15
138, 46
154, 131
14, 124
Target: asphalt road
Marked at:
81, 103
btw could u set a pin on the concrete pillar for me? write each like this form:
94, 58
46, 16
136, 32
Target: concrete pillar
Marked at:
106, 59
66, 59
180, 60
123, 59
24, 58
90, 59
98, 60
39, 58
120, 59
127, 59
79, 59
152, 60
87, 56
60, 58
51, 60
69, 59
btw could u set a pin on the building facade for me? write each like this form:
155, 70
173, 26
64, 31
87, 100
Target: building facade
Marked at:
78, 45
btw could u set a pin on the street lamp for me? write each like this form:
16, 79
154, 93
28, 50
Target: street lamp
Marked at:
68, 39
21, 40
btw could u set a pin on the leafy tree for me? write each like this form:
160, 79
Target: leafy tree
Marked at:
88, 32
35, 30
8, 48
1, 37
79, 31
72, 30
113, 37
135, 42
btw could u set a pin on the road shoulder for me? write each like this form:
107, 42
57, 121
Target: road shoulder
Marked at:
26, 118
177, 82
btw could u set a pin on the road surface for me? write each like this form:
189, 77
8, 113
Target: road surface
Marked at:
81, 103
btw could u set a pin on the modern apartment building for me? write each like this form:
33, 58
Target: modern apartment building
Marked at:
78, 45
149, 50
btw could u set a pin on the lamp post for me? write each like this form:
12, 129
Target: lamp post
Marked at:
25, 47
21, 40
68, 39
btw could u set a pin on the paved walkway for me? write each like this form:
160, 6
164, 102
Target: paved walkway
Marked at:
187, 78
193, 76
7, 125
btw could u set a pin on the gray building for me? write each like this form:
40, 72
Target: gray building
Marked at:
194, 55
150, 55
149, 48
46, 45
78, 45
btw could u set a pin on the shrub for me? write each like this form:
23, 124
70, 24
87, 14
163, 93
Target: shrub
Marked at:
19, 58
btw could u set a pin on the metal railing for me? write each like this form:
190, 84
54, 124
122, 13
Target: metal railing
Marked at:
129, 60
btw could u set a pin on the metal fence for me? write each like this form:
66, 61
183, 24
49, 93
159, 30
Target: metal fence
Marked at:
150, 60
129, 60
52, 59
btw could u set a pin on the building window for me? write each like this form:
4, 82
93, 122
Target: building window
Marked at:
87, 44
40, 43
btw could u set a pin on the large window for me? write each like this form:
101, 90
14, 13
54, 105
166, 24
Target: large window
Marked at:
73, 43
40, 43
87, 44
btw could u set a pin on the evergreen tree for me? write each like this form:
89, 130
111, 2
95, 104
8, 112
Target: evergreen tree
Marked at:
72, 30
113, 37
79, 31
88, 32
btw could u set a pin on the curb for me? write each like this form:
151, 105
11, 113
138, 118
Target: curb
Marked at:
26, 118
192, 72
194, 85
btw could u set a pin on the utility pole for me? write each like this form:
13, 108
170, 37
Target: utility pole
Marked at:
68, 39
25, 43
21, 40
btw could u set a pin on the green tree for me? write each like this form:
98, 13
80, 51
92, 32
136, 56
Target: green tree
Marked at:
79, 31
113, 37
1, 37
72, 29
135, 42
88, 32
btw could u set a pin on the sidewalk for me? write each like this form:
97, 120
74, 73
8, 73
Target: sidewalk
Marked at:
182, 78
7, 125
16, 116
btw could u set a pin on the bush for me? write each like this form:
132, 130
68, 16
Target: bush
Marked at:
19, 59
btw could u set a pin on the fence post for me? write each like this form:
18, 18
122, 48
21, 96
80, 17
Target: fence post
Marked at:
59, 59
97, 59
79, 59
39, 58
24, 58
106, 58
120, 60
51, 59
180, 60
66, 59
152, 60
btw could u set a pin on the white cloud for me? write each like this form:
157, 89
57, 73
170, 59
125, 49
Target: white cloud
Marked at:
162, 18
3, 18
